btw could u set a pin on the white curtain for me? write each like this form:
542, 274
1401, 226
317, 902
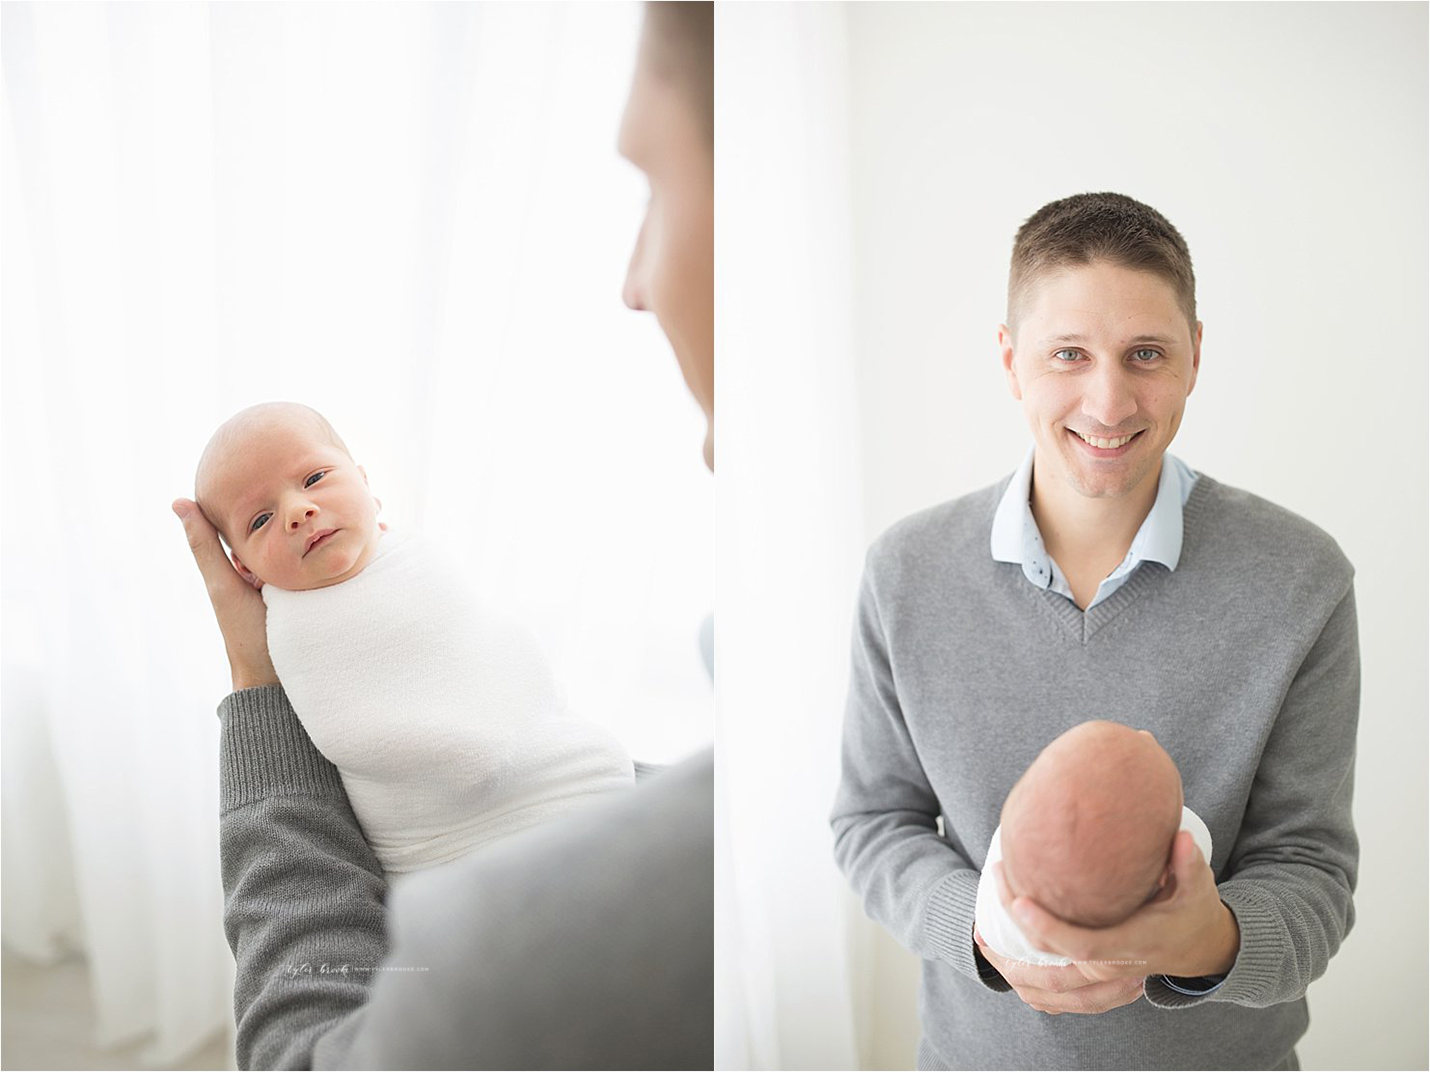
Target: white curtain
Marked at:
409, 216
789, 532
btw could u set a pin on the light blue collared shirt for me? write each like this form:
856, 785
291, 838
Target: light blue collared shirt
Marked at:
1016, 538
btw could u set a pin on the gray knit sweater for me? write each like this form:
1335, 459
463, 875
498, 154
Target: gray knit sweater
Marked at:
1244, 664
583, 943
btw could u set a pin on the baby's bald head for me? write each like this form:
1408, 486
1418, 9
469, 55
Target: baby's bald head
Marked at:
235, 433
1088, 829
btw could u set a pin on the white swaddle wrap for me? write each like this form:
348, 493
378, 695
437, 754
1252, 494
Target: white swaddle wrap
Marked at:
999, 930
443, 720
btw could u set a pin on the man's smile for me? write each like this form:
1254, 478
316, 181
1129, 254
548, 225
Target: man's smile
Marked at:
1099, 447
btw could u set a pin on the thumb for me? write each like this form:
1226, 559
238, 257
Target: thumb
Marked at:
203, 540
1186, 858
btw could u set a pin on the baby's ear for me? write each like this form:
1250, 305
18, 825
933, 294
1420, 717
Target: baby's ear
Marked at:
244, 572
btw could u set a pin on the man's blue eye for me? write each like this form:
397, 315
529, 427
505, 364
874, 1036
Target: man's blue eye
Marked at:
258, 522
1152, 355
1075, 355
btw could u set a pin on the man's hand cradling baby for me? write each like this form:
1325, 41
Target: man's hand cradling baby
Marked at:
1056, 990
239, 608
1185, 931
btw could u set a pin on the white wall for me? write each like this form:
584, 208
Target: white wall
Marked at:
1287, 142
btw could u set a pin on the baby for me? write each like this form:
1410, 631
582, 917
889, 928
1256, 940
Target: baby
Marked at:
1087, 833
443, 721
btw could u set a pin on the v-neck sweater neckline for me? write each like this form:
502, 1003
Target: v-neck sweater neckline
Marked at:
1083, 625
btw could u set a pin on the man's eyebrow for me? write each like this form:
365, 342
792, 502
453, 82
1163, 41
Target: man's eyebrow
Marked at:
1165, 340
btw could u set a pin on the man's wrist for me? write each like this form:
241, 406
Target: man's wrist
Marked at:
249, 673
1219, 954
256, 680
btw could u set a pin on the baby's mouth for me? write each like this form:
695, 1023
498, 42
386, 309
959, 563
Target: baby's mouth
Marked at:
318, 540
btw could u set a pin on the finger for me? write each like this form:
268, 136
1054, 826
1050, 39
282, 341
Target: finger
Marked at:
1002, 886
1046, 979
1187, 859
1045, 930
1086, 1000
203, 540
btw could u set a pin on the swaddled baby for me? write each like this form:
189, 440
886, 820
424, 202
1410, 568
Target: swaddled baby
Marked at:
442, 719
1087, 833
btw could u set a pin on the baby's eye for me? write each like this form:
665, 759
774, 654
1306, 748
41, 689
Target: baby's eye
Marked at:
1072, 355
258, 522
313, 479
1147, 355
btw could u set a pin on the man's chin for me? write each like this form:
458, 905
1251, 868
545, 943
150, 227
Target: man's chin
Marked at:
1107, 485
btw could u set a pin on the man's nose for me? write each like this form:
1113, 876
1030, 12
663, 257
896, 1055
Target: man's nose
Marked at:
1108, 397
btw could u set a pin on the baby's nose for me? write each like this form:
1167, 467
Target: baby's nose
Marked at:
299, 520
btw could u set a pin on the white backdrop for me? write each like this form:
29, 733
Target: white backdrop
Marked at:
410, 216
787, 520
1287, 142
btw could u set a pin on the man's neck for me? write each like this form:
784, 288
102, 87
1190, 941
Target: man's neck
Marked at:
1088, 537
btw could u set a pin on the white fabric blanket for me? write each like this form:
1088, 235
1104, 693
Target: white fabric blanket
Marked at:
443, 720
1002, 934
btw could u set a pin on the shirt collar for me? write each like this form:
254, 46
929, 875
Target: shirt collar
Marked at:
1016, 539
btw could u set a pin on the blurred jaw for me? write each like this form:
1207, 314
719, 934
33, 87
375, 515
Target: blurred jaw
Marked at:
1102, 352
671, 271
268, 476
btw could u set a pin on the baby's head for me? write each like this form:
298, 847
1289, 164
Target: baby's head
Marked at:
272, 478
1088, 829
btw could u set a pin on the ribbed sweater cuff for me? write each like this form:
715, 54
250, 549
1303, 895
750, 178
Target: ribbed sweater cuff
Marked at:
948, 929
1255, 975
266, 752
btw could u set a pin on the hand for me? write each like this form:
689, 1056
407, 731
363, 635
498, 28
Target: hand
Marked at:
1059, 990
1186, 931
242, 615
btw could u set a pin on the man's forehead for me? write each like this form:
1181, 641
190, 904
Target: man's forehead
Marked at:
1165, 338
633, 137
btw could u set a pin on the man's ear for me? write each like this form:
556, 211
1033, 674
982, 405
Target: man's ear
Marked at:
1196, 357
244, 572
1005, 345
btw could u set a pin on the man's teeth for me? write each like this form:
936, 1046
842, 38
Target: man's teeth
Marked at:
1103, 444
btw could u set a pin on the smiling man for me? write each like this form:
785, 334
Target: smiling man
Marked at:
1106, 579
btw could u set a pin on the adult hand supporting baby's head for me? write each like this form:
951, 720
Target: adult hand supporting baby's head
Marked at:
240, 610
1186, 930
1055, 990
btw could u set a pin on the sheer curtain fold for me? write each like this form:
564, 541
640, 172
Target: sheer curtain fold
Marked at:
789, 531
355, 206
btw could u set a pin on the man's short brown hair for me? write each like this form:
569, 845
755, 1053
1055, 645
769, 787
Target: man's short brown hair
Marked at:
1100, 227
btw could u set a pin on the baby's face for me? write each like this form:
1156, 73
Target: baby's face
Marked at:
295, 509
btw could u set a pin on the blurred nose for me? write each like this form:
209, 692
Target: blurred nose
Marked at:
633, 290
1108, 397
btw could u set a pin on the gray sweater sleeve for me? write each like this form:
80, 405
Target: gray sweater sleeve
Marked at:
303, 892
1293, 868
911, 880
